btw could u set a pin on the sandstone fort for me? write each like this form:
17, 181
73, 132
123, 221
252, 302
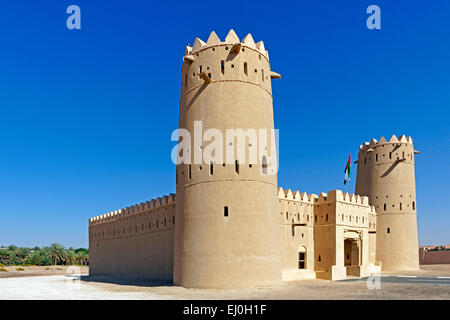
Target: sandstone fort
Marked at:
231, 225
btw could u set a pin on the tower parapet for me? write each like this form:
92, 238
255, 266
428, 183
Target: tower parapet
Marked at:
386, 175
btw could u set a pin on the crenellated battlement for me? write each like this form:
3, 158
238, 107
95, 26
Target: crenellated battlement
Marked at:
393, 140
134, 209
295, 196
338, 195
230, 39
231, 62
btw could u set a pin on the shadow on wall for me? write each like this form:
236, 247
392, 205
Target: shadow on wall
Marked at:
127, 281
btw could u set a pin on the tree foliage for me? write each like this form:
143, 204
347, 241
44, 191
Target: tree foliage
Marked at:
55, 254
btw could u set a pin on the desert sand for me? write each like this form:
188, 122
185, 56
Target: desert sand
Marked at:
55, 284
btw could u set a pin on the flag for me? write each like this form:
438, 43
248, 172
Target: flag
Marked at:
347, 171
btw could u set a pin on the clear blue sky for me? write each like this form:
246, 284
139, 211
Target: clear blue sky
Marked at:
86, 116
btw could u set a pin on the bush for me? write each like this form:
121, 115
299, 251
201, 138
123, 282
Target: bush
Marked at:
3, 269
20, 269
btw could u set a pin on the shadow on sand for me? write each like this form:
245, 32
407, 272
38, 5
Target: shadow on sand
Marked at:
127, 281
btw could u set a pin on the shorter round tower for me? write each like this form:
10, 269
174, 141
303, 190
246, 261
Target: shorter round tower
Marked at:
386, 175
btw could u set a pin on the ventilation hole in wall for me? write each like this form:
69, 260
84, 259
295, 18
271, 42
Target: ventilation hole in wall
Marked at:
319, 258
414, 205
222, 67
236, 166
376, 157
232, 65
200, 168
400, 206
385, 207
211, 168
223, 164
225, 211
173, 219
259, 57
262, 75
207, 68
365, 160
256, 70
326, 219
250, 165
226, 48
200, 69
213, 49
390, 155
388, 230
315, 218
245, 68
209, 75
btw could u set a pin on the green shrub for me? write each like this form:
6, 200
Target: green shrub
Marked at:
20, 269
3, 269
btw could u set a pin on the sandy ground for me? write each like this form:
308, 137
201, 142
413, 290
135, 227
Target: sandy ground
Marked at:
61, 286
12, 271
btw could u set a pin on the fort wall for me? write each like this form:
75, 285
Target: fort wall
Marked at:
134, 242
434, 257
296, 212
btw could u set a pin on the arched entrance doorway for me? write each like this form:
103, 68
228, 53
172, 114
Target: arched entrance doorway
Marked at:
302, 257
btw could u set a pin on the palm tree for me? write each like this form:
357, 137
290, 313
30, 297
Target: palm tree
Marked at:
70, 257
56, 252
82, 258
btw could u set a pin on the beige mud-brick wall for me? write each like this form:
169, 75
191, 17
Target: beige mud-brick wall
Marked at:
296, 212
434, 257
386, 175
134, 242
336, 215
242, 249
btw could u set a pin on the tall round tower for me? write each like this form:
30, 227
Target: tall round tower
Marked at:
386, 175
226, 231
